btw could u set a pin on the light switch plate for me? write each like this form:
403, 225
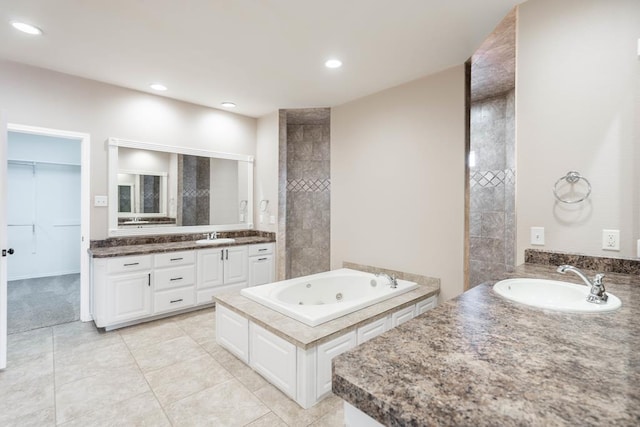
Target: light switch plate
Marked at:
100, 201
537, 236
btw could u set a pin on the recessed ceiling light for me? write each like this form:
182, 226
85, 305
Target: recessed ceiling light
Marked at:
333, 63
228, 104
158, 86
27, 28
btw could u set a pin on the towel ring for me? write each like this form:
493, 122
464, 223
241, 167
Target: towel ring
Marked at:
572, 177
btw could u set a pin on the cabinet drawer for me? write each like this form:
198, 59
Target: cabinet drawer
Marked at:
173, 299
262, 249
168, 278
174, 258
128, 263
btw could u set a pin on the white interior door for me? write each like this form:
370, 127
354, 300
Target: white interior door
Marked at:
3, 241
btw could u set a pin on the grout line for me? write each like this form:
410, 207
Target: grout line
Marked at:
155, 396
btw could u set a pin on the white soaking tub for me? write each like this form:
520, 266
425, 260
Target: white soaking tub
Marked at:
322, 297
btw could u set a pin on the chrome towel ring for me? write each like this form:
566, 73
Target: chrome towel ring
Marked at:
572, 177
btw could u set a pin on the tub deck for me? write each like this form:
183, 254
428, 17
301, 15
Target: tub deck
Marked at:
303, 336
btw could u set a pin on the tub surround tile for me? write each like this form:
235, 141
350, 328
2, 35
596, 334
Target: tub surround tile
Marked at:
125, 246
479, 359
305, 336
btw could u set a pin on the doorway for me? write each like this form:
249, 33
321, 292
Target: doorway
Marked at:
47, 221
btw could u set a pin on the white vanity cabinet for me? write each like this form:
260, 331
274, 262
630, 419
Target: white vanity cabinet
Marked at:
122, 289
220, 270
261, 264
174, 281
128, 289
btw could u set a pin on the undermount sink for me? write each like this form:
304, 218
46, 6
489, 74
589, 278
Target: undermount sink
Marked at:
215, 241
553, 295
136, 222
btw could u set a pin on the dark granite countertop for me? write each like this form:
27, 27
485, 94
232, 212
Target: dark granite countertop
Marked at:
151, 248
480, 360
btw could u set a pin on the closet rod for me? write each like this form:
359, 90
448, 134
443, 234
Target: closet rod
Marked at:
36, 162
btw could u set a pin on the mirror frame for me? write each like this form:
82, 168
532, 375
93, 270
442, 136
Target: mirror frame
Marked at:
112, 175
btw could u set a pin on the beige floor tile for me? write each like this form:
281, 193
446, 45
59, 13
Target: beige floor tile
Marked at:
167, 353
151, 333
35, 367
98, 391
247, 376
269, 420
334, 418
141, 410
205, 312
42, 418
25, 346
85, 361
26, 397
182, 379
290, 412
200, 331
212, 347
78, 335
226, 404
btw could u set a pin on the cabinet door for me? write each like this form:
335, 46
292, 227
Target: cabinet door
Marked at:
210, 268
130, 296
401, 316
425, 305
326, 352
236, 259
260, 270
274, 358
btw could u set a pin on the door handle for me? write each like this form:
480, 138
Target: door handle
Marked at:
9, 251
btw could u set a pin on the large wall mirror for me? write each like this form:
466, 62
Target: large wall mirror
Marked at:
155, 189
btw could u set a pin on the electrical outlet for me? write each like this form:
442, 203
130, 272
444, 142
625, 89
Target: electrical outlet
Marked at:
100, 201
537, 236
611, 240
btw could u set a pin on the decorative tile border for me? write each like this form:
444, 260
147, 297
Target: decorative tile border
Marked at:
492, 178
308, 185
603, 264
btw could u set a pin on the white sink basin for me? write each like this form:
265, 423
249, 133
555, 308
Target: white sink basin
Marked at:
215, 241
136, 222
553, 295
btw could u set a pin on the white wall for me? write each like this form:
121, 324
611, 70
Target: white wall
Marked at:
578, 108
397, 179
38, 97
266, 171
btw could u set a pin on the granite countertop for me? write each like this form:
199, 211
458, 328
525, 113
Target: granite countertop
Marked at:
305, 336
480, 360
151, 248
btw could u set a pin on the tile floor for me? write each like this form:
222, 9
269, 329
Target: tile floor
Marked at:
169, 372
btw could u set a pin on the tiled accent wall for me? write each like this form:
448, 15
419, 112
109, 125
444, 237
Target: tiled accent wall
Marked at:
307, 195
193, 183
492, 189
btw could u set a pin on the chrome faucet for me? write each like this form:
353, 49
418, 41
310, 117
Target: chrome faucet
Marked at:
393, 282
597, 295
212, 236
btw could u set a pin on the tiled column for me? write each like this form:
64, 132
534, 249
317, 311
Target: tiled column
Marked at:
307, 197
492, 189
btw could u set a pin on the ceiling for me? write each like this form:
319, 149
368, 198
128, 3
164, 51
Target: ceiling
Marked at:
263, 55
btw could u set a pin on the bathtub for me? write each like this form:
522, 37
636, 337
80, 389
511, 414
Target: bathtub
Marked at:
322, 297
